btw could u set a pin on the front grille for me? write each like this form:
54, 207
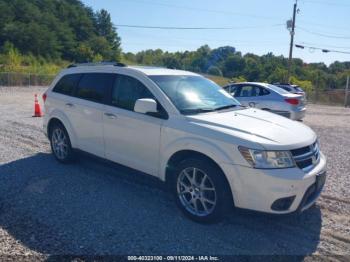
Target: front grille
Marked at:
300, 151
306, 157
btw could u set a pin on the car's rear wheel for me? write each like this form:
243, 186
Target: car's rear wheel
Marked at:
60, 144
200, 190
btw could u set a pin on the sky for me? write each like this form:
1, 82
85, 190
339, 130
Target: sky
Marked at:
255, 26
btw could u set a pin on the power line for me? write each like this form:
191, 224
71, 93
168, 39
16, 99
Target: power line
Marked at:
205, 10
324, 50
322, 34
195, 28
170, 38
324, 3
332, 46
323, 25
227, 12
195, 41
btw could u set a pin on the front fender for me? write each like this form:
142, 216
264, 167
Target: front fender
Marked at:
202, 146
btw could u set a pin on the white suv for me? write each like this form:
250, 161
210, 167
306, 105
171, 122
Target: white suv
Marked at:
187, 131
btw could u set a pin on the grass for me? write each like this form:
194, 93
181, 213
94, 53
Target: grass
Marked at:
220, 80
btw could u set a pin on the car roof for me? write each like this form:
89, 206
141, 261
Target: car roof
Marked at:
150, 70
271, 87
250, 83
147, 70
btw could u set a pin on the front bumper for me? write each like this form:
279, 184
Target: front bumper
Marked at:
258, 189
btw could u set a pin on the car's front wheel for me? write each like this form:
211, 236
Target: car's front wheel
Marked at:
60, 144
200, 190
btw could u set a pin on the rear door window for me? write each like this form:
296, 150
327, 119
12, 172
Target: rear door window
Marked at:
95, 87
67, 84
248, 91
263, 91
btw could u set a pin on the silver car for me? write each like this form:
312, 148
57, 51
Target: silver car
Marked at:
268, 97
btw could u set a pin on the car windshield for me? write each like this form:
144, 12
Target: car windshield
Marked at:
194, 94
277, 89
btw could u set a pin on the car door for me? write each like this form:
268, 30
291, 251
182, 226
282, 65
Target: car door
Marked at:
263, 98
132, 139
87, 109
248, 95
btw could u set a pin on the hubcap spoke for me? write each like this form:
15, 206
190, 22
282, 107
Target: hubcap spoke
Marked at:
186, 188
195, 176
190, 179
208, 201
204, 205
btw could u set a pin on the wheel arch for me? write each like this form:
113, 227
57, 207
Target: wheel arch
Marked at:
195, 145
181, 155
62, 119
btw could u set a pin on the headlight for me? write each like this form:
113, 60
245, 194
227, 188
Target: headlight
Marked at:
267, 159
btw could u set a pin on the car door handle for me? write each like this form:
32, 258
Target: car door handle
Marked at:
110, 115
69, 105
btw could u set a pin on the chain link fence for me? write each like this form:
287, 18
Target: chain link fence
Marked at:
326, 97
329, 97
24, 79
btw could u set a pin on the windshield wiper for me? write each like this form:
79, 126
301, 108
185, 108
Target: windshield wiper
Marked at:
196, 110
224, 107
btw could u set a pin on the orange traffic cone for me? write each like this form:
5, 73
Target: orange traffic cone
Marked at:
37, 109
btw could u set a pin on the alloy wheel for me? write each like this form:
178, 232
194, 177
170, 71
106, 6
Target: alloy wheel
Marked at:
59, 143
196, 191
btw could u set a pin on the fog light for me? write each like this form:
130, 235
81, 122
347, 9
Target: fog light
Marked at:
282, 204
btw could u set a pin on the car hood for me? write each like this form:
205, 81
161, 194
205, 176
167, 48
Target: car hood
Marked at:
271, 131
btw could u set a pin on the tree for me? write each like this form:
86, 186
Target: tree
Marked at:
106, 29
214, 70
234, 66
252, 69
64, 29
84, 53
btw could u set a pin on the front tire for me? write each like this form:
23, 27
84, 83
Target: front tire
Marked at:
201, 190
60, 144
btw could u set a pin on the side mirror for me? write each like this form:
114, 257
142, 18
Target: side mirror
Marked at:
145, 105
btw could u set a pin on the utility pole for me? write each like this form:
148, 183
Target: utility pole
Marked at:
292, 32
346, 92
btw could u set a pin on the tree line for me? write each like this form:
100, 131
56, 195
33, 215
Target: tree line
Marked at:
228, 62
43, 36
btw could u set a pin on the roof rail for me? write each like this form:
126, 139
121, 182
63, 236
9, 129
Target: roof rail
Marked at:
98, 64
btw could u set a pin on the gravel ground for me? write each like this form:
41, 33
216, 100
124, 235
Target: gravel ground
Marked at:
97, 208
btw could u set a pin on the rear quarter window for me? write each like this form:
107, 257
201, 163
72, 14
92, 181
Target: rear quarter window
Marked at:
67, 84
263, 91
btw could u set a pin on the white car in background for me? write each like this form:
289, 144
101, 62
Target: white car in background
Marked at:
269, 97
188, 132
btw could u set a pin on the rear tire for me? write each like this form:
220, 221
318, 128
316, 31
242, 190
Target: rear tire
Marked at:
60, 144
201, 190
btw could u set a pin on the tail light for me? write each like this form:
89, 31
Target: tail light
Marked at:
292, 101
44, 97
